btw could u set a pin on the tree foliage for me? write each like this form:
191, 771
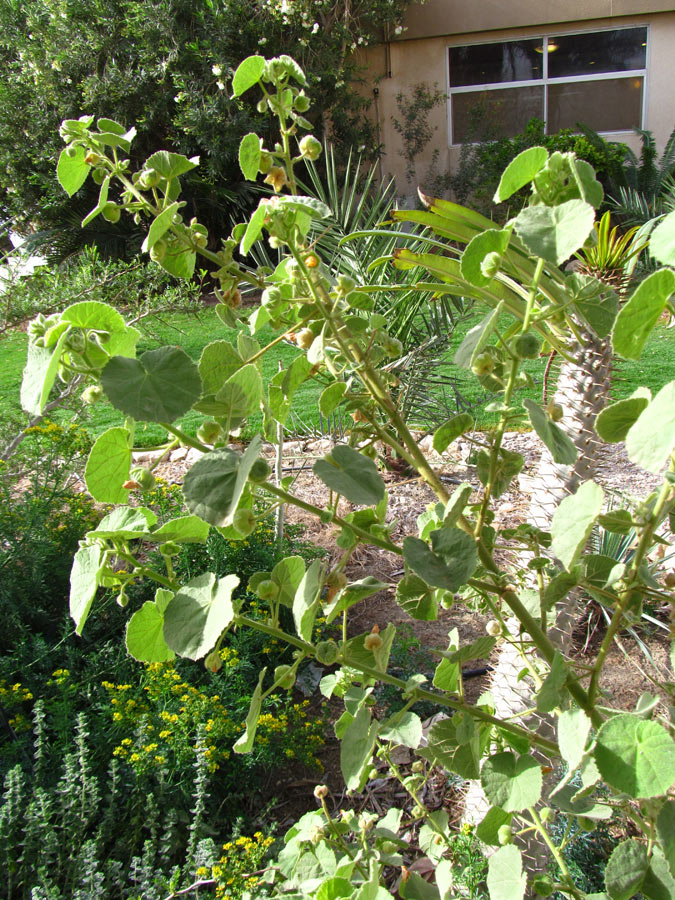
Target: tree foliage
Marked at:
165, 65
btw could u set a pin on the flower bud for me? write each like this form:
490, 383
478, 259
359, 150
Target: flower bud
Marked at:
493, 628
505, 835
92, 394
213, 662
143, 478
310, 147
321, 791
210, 432
111, 212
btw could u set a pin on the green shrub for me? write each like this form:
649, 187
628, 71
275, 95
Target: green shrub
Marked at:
482, 163
42, 518
137, 287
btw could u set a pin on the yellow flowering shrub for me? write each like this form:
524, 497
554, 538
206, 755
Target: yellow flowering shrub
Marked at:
157, 723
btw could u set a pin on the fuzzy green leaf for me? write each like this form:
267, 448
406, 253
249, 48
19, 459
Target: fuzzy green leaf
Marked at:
558, 442
636, 756
171, 165
160, 386
477, 338
247, 74
506, 879
403, 728
452, 429
520, 171
616, 420
651, 439
415, 597
160, 226
249, 156
665, 829
39, 375
306, 601
253, 229
449, 565
511, 783
573, 729
72, 171
330, 397
244, 744
626, 868
573, 522
84, 582
356, 749
108, 466
145, 635
554, 233
214, 485
490, 241
351, 474
662, 241
639, 315
198, 614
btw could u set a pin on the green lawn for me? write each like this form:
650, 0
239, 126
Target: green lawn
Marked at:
191, 332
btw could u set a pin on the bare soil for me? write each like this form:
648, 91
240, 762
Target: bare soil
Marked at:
631, 664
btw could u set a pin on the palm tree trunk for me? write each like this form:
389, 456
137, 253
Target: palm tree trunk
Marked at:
583, 389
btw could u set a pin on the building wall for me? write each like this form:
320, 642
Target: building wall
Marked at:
420, 55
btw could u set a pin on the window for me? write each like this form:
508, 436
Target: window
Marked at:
594, 77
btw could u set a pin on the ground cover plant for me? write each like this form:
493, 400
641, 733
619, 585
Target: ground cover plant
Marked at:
546, 741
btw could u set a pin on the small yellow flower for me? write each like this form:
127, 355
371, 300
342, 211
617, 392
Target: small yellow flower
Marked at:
277, 178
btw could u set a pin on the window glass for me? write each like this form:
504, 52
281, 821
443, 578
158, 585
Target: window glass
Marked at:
602, 51
485, 115
614, 104
495, 63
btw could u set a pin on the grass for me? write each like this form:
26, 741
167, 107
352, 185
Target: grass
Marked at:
193, 331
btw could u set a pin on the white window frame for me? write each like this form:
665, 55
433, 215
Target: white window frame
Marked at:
544, 81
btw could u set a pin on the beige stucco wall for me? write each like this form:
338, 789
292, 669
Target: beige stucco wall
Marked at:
397, 66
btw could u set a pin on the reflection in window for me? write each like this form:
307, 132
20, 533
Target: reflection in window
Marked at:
596, 78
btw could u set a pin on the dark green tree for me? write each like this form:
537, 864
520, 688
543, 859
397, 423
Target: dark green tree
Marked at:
165, 66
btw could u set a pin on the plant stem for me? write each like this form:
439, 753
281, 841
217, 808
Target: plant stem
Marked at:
365, 536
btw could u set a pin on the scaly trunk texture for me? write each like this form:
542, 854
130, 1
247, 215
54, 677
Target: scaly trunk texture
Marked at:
583, 388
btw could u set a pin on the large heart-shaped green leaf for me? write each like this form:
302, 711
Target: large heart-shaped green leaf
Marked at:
214, 485
198, 614
357, 748
126, 522
636, 756
477, 338
510, 782
171, 165
351, 474
39, 375
555, 232
108, 466
615, 421
490, 241
249, 156
247, 74
160, 386
219, 360
160, 226
417, 599
306, 601
449, 565
241, 394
